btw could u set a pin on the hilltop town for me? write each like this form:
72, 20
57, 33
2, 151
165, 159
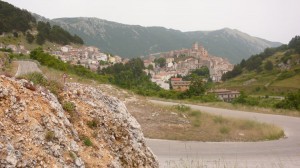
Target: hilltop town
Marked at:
88, 56
178, 62
181, 62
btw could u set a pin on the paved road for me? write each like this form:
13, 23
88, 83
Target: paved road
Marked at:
27, 67
280, 153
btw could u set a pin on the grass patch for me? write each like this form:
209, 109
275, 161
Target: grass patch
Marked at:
86, 140
246, 125
93, 124
224, 130
219, 119
275, 134
194, 113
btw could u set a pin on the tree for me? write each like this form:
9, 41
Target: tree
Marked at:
295, 44
268, 66
203, 71
150, 67
29, 37
14, 19
196, 88
161, 62
40, 39
237, 70
16, 35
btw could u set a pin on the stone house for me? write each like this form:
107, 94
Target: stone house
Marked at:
226, 95
179, 85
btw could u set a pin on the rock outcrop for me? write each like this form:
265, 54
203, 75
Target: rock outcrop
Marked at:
35, 131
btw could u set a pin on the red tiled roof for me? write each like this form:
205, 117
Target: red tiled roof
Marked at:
176, 79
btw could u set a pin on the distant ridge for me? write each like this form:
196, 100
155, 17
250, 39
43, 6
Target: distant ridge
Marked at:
134, 40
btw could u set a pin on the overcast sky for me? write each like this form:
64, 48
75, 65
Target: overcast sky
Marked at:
275, 20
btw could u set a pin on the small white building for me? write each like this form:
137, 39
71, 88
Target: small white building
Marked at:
66, 48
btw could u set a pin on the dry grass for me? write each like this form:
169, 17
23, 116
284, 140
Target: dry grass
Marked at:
11, 69
165, 122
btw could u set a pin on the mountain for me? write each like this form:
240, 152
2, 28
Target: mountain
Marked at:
133, 40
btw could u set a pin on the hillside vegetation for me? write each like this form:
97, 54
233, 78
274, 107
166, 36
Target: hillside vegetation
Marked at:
17, 21
276, 71
14, 19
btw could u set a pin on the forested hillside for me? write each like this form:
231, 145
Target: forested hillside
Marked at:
14, 20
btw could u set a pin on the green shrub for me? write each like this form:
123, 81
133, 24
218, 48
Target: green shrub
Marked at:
39, 79
69, 106
94, 123
86, 140
54, 87
49, 136
292, 101
36, 77
285, 75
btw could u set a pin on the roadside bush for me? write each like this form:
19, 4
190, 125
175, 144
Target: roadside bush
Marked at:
291, 101
245, 100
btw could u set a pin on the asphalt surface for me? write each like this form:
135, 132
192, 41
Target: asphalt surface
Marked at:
278, 153
26, 67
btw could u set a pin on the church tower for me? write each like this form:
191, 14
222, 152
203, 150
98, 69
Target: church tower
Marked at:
195, 46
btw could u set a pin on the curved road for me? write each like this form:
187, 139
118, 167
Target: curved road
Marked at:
27, 67
279, 153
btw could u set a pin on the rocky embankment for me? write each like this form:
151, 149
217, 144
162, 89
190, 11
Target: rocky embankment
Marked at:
35, 131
